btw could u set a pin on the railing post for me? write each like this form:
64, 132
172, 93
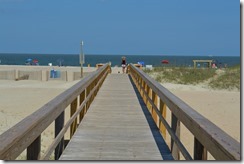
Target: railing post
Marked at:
59, 124
145, 93
88, 89
150, 96
142, 89
94, 93
147, 101
139, 84
200, 153
73, 108
96, 81
175, 124
155, 101
34, 150
162, 108
82, 98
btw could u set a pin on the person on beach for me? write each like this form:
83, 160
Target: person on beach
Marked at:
123, 64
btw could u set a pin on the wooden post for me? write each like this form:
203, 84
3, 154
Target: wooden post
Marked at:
175, 124
139, 84
73, 108
142, 89
147, 101
96, 83
162, 107
34, 150
82, 98
59, 124
150, 96
155, 101
87, 93
194, 64
200, 153
145, 92
92, 86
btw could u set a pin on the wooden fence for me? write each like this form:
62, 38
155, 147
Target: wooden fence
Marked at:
27, 133
207, 136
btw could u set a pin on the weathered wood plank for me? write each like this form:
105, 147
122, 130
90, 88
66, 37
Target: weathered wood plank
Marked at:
116, 127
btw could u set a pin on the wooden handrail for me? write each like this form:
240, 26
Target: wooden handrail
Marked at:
28, 131
207, 136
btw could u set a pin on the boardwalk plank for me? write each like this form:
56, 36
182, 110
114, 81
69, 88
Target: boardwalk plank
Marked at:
116, 127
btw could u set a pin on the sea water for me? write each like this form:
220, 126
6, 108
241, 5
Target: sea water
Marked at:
115, 60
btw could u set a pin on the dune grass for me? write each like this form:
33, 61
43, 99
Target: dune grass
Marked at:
228, 78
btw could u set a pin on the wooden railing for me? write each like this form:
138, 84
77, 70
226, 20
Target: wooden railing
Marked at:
27, 133
207, 136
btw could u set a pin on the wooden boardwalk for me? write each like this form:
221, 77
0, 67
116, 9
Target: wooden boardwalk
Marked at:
117, 126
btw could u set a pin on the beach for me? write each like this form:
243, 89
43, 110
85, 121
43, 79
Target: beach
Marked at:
221, 107
19, 99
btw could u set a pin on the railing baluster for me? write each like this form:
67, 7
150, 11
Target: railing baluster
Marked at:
155, 101
87, 93
162, 108
82, 98
150, 96
200, 153
147, 101
73, 108
144, 94
142, 89
175, 125
34, 150
59, 124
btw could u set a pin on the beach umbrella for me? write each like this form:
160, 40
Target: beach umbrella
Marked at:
165, 61
35, 61
141, 63
29, 60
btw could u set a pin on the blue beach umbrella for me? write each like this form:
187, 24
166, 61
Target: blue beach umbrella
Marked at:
28, 60
141, 63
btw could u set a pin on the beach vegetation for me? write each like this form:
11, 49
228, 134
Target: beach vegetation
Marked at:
230, 79
181, 75
226, 78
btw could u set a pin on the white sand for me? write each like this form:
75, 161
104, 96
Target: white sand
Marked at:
18, 99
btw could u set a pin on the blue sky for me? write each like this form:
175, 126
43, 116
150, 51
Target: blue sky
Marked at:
136, 27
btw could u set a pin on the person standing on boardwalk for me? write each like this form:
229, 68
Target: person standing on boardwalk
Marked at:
123, 64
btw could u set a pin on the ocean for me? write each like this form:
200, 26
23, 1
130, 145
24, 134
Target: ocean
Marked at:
93, 59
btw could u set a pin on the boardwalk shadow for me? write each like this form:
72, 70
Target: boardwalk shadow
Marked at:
162, 146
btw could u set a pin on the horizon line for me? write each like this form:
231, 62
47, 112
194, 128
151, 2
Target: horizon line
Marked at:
29, 53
